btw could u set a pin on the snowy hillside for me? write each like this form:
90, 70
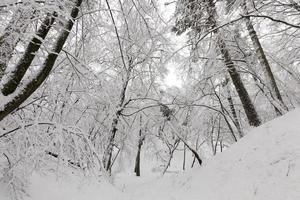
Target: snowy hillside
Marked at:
264, 165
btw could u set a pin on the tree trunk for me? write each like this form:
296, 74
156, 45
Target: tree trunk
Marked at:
248, 106
172, 149
221, 146
233, 110
109, 149
46, 68
137, 167
195, 153
269, 76
12, 35
260, 83
184, 157
24, 63
224, 115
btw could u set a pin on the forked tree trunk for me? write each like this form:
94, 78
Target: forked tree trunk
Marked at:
260, 53
46, 68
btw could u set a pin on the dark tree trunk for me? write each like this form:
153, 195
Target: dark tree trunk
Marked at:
184, 157
232, 108
234, 114
248, 106
109, 149
269, 76
196, 155
137, 167
46, 68
24, 63
218, 137
172, 149
12, 35
223, 114
194, 152
221, 146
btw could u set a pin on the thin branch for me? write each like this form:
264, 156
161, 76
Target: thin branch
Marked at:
272, 19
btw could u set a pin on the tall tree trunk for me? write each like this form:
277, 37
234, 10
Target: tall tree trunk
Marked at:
12, 34
46, 68
137, 167
184, 157
260, 83
24, 63
172, 149
224, 115
213, 121
232, 108
221, 146
218, 136
269, 76
112, 134
247, 103
248, 106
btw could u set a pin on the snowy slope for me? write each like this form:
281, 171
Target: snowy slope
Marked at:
66, 187
264, 165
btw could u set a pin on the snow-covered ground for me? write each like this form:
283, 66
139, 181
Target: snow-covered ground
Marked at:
264, 165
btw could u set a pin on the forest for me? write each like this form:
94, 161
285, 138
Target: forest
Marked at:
108, 87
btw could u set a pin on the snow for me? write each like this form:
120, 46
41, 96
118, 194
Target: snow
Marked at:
264, 165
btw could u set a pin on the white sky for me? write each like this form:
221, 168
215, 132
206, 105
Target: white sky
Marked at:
173, 77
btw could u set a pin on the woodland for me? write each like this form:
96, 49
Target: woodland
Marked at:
83, 82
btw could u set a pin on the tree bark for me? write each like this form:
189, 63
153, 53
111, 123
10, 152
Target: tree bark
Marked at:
184, 157
269, 76
247, 103
232, 109
195, 153
109, 149
224, 115
12, 35
218, 137
24, 63
137, 167
46, 68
